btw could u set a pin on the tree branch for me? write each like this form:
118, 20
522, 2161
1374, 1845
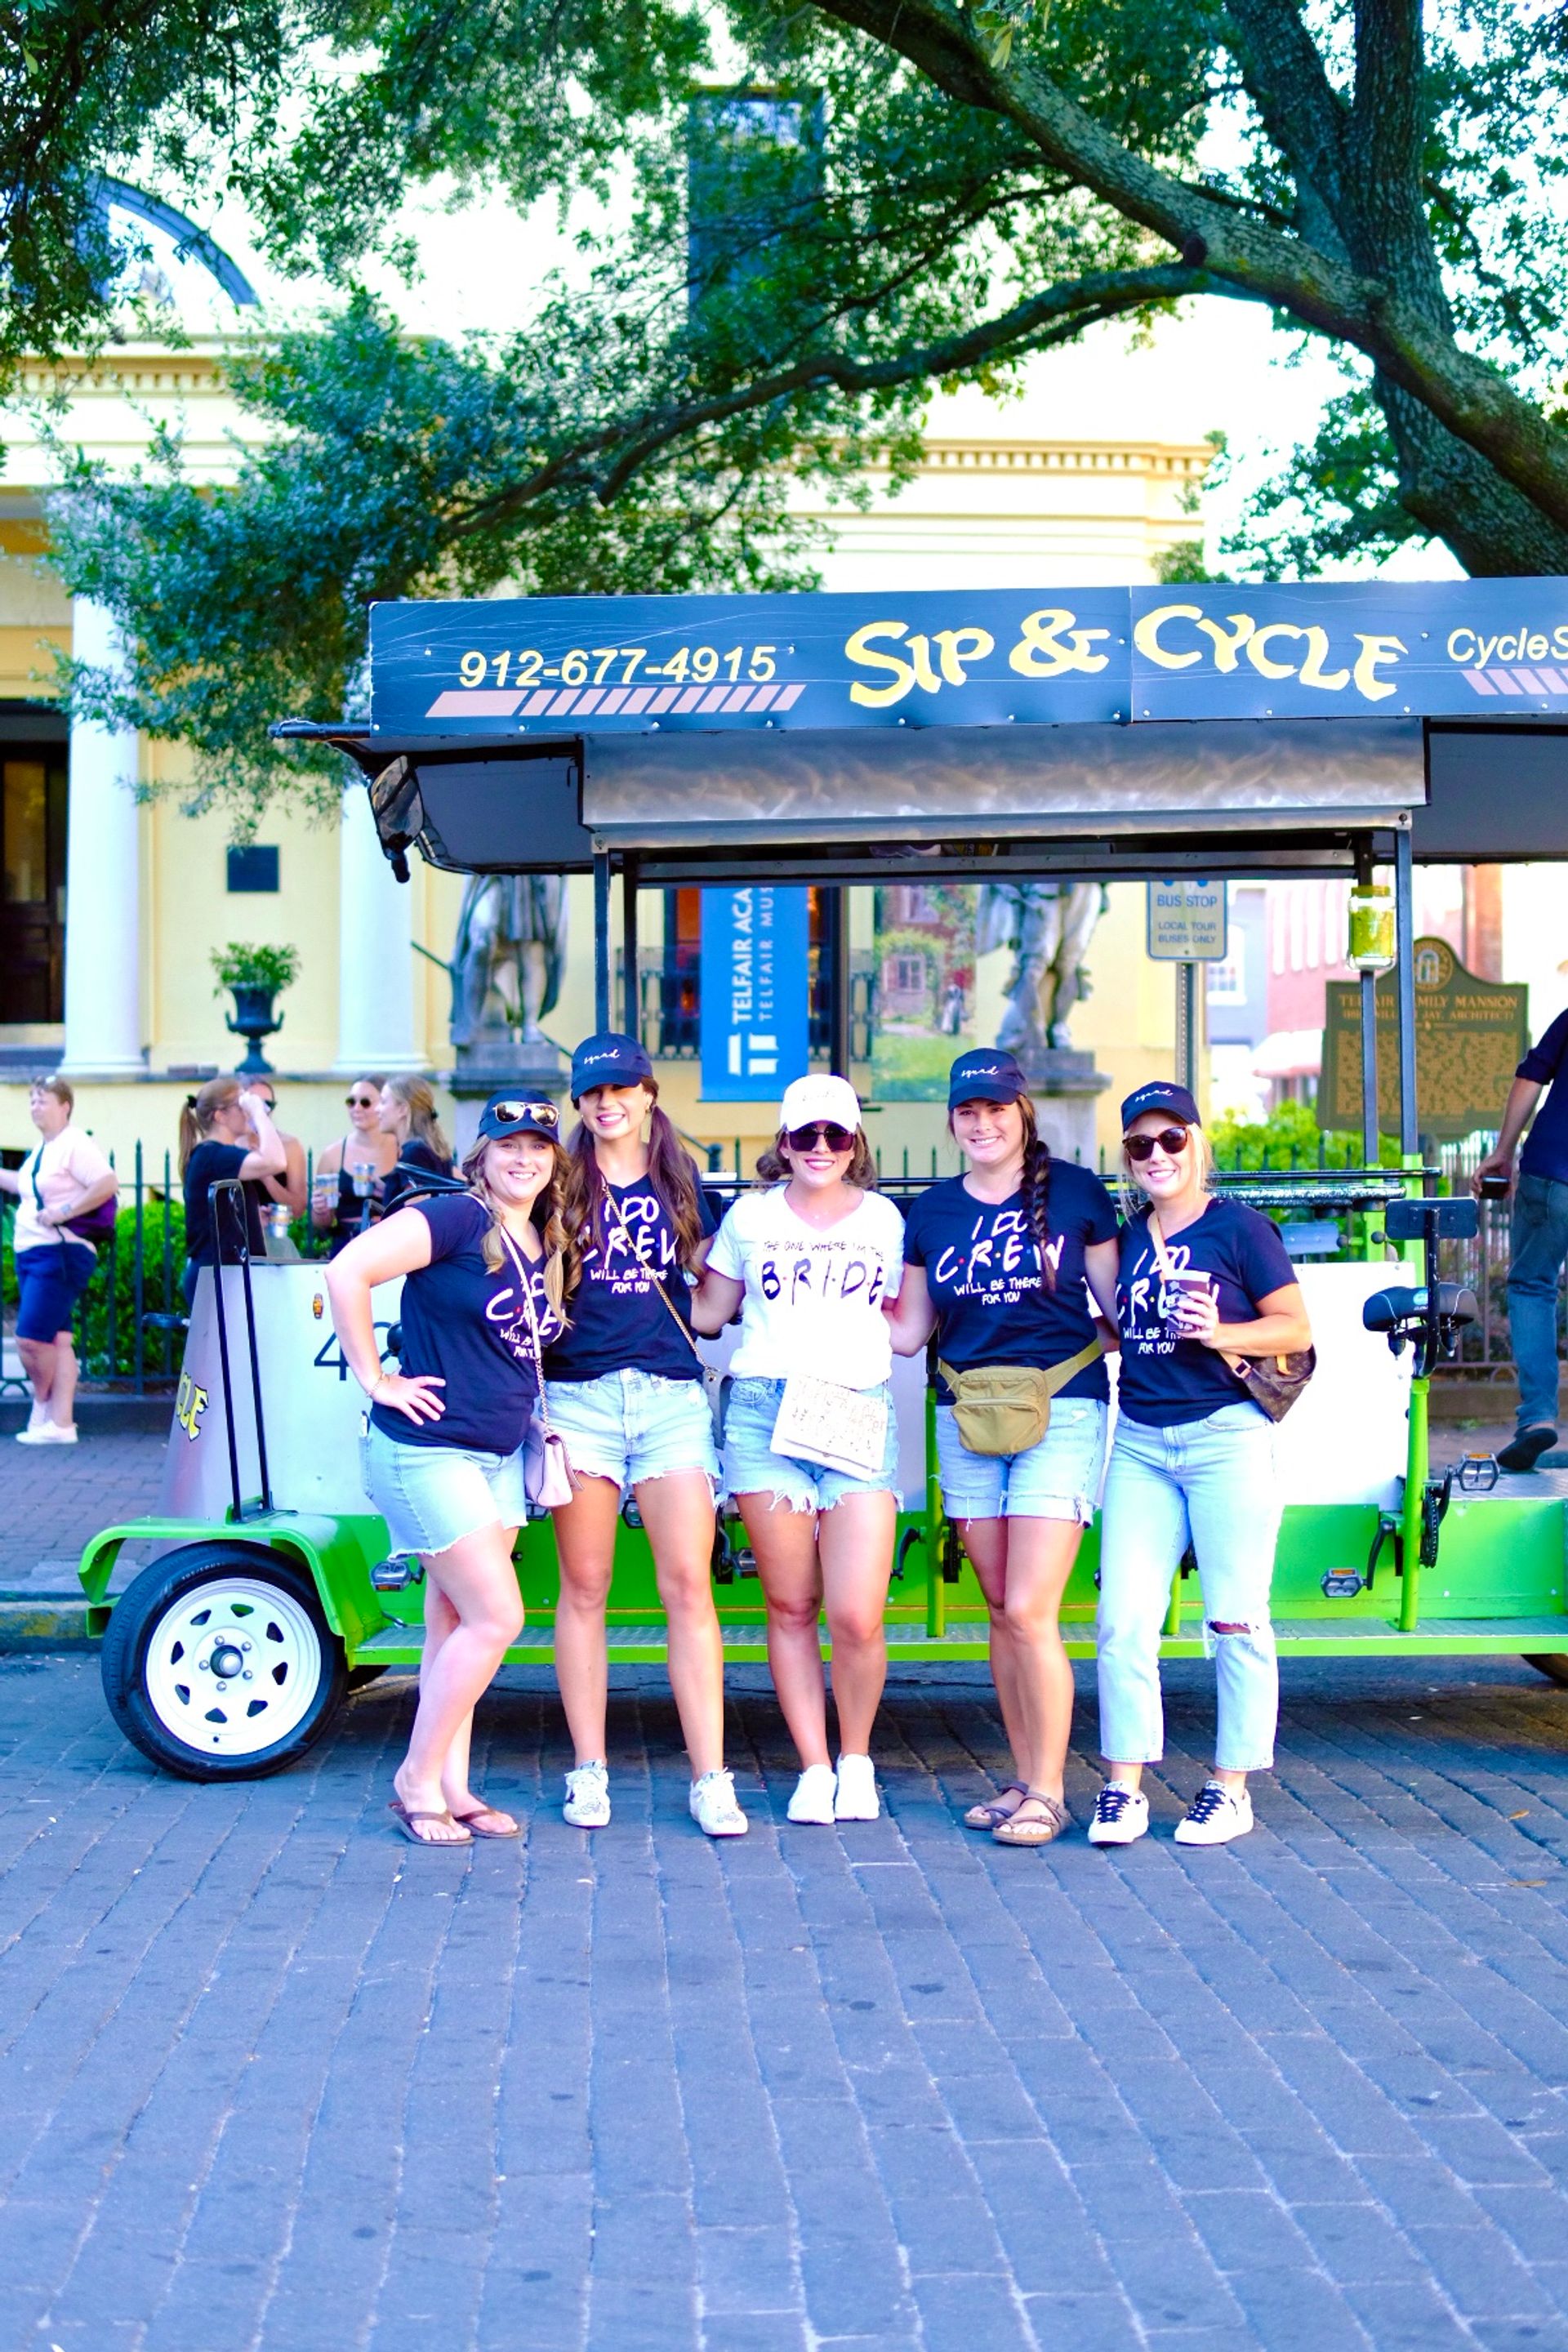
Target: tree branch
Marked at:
1474, 401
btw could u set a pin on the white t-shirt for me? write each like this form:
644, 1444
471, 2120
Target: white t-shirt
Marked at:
65, 1166
814, 1299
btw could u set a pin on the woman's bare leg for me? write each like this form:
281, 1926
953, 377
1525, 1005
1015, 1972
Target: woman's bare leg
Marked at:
985, 1542
678, 1512
855, 1541
62, 1387
586, 1547
476, 1581
784, 1542
1040, 1556
38, 1360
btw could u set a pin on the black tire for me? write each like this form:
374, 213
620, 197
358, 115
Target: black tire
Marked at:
196, 1608
1553, 1663
361, 1678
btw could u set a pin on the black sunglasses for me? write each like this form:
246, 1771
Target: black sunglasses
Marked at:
836, 1138
361, 1102
1170, 1140
513, 1114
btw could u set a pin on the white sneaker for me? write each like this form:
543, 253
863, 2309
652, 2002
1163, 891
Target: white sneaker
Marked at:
1218, 1815
855, 1797
1121, 1816
587, 1805
713, 1806
813, 1798
47, 1433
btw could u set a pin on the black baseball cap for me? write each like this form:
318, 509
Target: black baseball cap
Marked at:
609, 1059
1161, 1094
986, 1075
519, 1114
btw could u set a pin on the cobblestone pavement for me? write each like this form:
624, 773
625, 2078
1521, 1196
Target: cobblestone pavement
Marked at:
53, 1498
269, 2078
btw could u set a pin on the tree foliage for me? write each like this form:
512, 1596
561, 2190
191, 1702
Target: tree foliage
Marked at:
792, 221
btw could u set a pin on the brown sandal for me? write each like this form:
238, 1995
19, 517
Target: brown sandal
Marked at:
472, 1818
987, 1815
405, 1821
1037, 1831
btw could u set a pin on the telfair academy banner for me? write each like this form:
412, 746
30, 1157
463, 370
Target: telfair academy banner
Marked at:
754, 983
588, 665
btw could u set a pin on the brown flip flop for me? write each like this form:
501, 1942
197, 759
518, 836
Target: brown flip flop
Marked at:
985, 1816
405, 1821
470, 1820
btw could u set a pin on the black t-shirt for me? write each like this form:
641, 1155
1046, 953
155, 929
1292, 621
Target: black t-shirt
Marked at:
984, 1271
414, 1154
1166, 1381
467, 1327
619, 1321
1545, 1149
214, 1164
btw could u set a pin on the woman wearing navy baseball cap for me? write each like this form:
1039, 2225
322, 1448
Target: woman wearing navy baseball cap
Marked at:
1201, 1280
484, 1285
1003, 1260
625, 1393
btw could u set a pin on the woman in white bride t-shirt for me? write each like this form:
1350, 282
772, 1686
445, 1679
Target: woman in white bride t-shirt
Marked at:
809, 1261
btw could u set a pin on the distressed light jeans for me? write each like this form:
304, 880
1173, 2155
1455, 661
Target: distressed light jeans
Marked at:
1210, 1482
1538, 1244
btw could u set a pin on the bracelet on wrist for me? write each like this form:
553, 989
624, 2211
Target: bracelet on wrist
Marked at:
374, 1390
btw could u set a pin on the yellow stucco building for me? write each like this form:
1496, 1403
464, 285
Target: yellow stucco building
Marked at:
113, 904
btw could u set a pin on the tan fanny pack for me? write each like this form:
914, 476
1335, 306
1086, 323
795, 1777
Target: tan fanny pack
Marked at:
1007, 1408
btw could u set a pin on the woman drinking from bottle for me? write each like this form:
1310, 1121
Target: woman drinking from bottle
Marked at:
998, 1260
1203, 1281
483, 1291
625, 1394
810, 1445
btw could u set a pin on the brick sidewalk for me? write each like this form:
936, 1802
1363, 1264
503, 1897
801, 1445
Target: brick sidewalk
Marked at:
271, 2080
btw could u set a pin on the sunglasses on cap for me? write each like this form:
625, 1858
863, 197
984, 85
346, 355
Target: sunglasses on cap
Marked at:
513, 1114
836, 1138
1170, 1140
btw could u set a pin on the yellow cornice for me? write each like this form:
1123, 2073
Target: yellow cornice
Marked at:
1183, 460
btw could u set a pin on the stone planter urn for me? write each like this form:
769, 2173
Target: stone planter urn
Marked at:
253, 1019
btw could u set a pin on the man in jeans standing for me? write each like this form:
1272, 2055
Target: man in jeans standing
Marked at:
1539, 1239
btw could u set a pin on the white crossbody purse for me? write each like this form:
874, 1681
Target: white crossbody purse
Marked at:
546, 1466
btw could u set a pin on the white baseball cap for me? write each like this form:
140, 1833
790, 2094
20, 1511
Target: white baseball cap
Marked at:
820, 1097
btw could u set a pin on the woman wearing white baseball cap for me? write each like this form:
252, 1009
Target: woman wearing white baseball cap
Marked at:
810, 1445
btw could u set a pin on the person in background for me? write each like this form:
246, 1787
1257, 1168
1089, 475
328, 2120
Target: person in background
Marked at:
485, 1275
1538, 1237
808, 1258
1201, 1280
407, 1113
349, 1171
214, 1125
64, 1177
1001, 1260
625, 1393
289, 1188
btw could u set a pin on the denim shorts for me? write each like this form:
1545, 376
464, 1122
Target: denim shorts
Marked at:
630, 1425
431, 1497
752, 1467
1057, 1480
50, 1278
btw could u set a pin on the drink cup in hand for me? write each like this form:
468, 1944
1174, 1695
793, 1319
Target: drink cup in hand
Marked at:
1188, 1287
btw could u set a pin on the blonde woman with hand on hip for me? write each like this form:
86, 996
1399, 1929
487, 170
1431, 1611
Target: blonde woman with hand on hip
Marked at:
809, 1259
1201, 1279
484, 1285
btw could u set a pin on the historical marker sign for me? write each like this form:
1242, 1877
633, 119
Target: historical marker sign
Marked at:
1470, 1036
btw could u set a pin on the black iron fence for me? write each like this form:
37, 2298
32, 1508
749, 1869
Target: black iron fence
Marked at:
669, 998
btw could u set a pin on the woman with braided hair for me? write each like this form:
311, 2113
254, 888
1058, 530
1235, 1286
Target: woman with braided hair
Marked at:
1002, 1261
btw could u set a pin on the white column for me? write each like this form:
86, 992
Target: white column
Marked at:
375, 967
103, 881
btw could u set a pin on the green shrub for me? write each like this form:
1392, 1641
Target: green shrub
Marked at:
1289, 1137
93, 1317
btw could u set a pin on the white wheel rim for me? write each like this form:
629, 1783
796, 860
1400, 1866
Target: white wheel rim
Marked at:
206, 1700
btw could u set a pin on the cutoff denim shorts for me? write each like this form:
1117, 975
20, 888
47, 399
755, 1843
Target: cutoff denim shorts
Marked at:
1057, 1480
752, 1467
431, 1497
631, 1426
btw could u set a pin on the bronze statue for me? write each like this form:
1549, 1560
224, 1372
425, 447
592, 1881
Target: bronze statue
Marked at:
1049, 926
507, 961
